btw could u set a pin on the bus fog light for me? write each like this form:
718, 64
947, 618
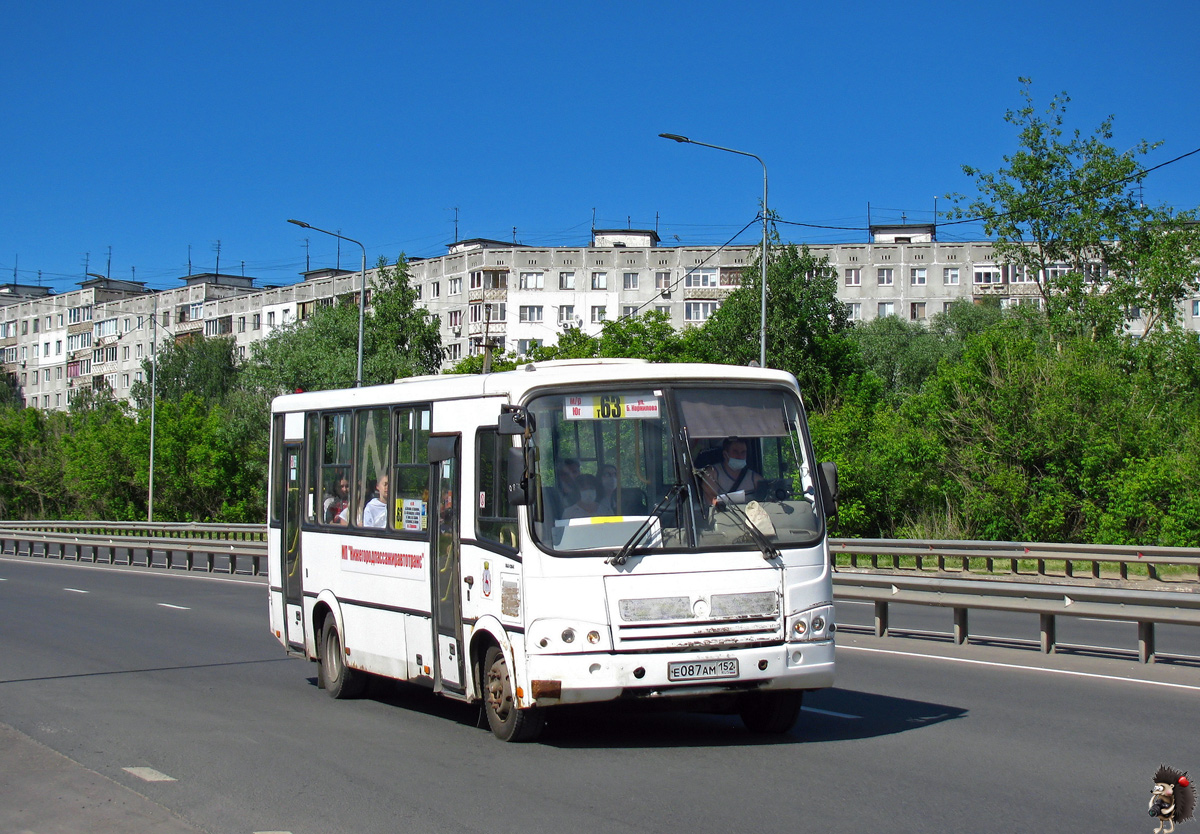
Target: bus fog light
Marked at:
593, 637
818, 623
799, 628
568, 635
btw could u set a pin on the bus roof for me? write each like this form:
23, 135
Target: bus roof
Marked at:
516, 385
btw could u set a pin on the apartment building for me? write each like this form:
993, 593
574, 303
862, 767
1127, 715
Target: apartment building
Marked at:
514, 295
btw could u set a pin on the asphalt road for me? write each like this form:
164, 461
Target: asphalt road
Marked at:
118, 668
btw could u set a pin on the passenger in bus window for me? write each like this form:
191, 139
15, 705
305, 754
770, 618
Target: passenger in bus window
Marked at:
608, 488
337, 501
588, 503
375, 513
565, 491
730, 478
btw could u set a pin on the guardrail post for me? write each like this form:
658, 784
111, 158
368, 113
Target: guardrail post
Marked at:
1049, 629
1146, 642
1123, 570
1096, 569
1152, 570
960, 625
881, 618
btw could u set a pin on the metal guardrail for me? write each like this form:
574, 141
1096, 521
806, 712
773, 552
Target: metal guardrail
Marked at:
179, 551
1033, 559
917, 572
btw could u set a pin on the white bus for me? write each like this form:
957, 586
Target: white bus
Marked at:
567, 532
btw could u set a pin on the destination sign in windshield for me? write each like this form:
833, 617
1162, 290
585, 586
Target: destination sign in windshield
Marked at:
612, 407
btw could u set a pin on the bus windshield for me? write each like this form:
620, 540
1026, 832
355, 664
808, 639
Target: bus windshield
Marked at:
678, 468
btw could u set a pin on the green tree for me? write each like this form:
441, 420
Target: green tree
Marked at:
1064, 210
205, 367
399, 339
807, 326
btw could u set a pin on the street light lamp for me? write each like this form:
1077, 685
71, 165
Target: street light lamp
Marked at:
362, 292
762, 329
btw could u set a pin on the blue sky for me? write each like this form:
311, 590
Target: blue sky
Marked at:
149, 127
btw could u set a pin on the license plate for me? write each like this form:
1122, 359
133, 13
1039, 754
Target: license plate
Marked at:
700, 670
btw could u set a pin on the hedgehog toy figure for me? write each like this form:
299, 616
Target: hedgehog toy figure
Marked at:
1172, 800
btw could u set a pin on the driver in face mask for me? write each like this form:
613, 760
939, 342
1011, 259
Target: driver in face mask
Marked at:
731, 476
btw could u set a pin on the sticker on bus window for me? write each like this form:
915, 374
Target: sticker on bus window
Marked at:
612, 407
413, 514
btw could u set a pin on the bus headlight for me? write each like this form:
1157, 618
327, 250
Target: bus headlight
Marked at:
811, 625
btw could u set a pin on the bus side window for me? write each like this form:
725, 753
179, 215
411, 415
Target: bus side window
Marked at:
335, 469
410, 475
495, 519
372, 498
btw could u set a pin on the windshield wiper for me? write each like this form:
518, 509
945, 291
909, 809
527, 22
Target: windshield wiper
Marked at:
768, 550
622, 555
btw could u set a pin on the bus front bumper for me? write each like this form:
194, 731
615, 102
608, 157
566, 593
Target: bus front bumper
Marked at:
588, 678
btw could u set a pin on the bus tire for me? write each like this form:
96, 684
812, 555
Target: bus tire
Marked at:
771, 713
507, 721
340, 680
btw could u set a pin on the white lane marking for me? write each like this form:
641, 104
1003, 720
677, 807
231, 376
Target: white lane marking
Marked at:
1096, 620
75, 590
148, 774
853, 602
177, 607
272, 832
830, 712
1020, 668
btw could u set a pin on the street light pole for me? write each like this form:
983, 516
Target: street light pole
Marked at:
153, 398
762, 330
362, 292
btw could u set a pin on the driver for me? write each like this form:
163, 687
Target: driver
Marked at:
731, 475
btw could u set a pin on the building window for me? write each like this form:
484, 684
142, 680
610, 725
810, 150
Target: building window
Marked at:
631, 280
566, 314
271, 318
629, 310
950, 275
887, 308
916, 276
530, 314
695, 311
598, 314
454, 351
854, 277
987, 275
476, 280
599, 280
665, 310
1196, 308
455, 286
124, 380
256, 321
533, 281
455, 318
566, 280
855, 311
917, 311
701, 278
886, 276
241, 324
435, 290
662, 280
526, 345
35, 377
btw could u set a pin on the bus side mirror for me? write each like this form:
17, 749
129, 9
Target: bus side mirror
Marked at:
518, 480
514, 419
828, 479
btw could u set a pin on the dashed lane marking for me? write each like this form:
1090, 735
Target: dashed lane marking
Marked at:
148, 774
176, 607
1020, 668
831, 713
75, 590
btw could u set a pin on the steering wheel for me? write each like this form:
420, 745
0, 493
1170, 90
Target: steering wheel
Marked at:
777, 489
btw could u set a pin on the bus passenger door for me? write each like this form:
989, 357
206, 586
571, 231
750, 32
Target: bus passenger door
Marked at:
293, 585
444, 456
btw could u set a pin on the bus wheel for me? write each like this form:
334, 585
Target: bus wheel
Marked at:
771, 713
508, 723
340, 681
